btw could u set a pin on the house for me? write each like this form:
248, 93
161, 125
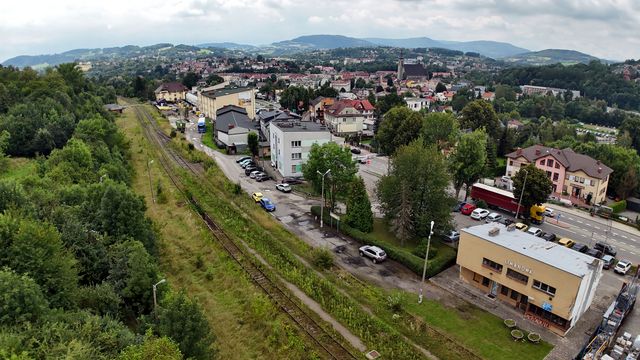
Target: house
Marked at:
341, 86
232, 126
318, 105
265, 117
346, 117
574, 174
515, 124
172, 91
210, 101
114, 108
291, 143
489, 96
417, 104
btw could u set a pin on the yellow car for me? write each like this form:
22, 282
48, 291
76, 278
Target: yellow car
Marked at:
566, 242
522, 227
257, 196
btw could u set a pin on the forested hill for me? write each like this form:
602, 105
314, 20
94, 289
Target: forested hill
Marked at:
77, 252
594, 80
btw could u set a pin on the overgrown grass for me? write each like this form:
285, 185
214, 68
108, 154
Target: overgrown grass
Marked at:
18, 168
245, 321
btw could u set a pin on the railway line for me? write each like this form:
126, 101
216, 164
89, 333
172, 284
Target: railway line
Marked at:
328, 346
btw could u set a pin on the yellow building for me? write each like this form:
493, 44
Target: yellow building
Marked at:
173, 91
551, 284
209, 102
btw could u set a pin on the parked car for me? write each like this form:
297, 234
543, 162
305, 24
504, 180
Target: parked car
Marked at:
284, 187
493, 217
605, 248
267, 204
457, 207
548, 236
505, 221
356, 151
607, 262
452, 236
262, 176
522, 227
253, 174
534, 231
256, 196
566, 242
291, 180
373, 252
467, 209
549, 212
479, 214
622, 267
248, 170
580, 248
361, 159
594, 253
244, 158
246, 163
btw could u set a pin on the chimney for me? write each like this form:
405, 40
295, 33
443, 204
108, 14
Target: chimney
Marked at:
519, 151
599, 170
231, 126
537, 151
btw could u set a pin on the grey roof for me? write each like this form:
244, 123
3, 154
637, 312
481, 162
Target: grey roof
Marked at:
550, 253
276, 115
299, 126
232, 116
567, 157
415, 70
223, 92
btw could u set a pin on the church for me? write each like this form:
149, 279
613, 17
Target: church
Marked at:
415, 72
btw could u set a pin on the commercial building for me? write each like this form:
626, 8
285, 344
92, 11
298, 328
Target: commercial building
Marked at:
210, 101
291, 142
232, 127
172, 91
551, 284
573, 174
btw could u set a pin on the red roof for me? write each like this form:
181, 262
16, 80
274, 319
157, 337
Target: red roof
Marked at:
360, 105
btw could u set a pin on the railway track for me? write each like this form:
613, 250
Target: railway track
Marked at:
169, 159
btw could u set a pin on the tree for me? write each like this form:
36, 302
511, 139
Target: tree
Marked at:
440, 88
537, 189
505, 92
628, 183
330, 156
214, 79
140, 87
478, 114
252, 143
152, 348
21, 299
399, 126
4, 144
467, 162
441, 129
387, 102
402, 223
190, 79
295, 98
422, 171
360, 83
359, 215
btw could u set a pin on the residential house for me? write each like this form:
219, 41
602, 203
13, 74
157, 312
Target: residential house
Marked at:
341, 86
265, 117
172, 91
347, 117
417, 104
577, 175
489, 96
291, 143
232, 126
210, 101
318, 105
515, 124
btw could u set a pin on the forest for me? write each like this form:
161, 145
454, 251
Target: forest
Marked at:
77, 252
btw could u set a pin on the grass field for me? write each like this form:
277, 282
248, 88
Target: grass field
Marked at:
18, 168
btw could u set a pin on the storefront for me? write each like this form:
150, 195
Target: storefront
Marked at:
551, 284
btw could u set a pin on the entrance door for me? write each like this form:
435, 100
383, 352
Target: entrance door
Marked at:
493, 289
524, 302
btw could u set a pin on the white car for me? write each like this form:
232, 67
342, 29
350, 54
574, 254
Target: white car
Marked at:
479, 214
622, 267
534, 231
493, 217
373, 252
254, 173
284, 187
549, 212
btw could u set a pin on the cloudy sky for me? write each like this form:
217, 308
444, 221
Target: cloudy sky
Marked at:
605, 28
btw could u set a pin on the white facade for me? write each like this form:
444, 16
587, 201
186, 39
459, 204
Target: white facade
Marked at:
291, 144
417, 104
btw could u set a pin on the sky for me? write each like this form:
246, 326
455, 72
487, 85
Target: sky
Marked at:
607, 29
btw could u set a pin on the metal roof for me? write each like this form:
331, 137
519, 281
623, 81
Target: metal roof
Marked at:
550, 253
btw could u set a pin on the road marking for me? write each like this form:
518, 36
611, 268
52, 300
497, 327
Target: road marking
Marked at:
579, 221
624, 236
596, 227
570, 218
588, 224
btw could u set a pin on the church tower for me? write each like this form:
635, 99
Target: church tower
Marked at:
400, 67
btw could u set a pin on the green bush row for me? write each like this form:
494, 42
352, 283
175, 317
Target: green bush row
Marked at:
437, 263
619, 206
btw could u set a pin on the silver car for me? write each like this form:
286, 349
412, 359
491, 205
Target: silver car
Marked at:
375, 253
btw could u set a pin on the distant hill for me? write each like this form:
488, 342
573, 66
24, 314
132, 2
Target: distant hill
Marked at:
550, 56
322, 42
492, 49
228, 45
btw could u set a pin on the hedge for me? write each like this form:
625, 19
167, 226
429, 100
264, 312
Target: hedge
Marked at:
437, 264
619, 206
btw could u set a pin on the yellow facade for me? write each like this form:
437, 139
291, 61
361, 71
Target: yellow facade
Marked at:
587, 185
210, 102
173, 96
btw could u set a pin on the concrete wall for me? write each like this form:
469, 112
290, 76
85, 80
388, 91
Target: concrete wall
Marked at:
282, 149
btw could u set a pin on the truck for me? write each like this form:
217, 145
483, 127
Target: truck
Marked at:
202, 125
180, 125
503, 199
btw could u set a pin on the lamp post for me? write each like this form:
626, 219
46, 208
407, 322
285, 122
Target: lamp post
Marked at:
426, 258
526, 173
155, 299
322, 205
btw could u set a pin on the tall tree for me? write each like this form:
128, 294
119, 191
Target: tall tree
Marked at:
480, 114
536, 190
330, 156
359, 215
402, 223
253, 144
467, 162
21, 299
440, 88
441, 129
190, 79
628, 183
399, 126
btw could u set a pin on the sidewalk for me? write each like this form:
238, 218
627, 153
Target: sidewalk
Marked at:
597, 219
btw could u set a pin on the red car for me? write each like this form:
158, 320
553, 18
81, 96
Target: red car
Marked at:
467, 209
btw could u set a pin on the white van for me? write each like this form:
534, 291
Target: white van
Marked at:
493, 217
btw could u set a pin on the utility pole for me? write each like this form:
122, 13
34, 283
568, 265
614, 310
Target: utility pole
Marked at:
322, 205
155, 299
426, 258
524, 184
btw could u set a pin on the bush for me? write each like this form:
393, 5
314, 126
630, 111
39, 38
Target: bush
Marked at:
619, 206
421, 249
481, 204
322, 258
395, 302
237, 189
173, 133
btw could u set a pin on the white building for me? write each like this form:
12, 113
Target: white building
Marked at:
417, 104
291, 143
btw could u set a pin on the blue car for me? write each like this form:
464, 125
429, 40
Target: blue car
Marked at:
267, 204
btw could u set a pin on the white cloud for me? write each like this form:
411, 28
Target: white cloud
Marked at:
315, 19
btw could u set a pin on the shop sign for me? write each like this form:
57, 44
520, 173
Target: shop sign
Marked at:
546, 306
519, 267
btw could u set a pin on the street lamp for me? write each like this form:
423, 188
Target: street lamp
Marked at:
526, 173
155, 299
426, 258
322, 206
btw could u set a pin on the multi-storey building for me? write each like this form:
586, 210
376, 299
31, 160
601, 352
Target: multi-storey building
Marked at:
173, 91
291, 142
346, 117
210, 101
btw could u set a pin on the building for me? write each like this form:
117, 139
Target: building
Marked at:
232, 127
347, 117
551, 284
543, 90
318, 105
573, 174
172, 91
265, 117
210, 101
417, 104
291, 143
414, 71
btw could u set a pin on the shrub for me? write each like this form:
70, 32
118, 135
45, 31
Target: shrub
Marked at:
481, 204
619, 206
421, 249
395, 302
173, 133
237, 188
191, 147
322, 258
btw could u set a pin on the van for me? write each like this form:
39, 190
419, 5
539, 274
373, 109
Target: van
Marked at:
493, 217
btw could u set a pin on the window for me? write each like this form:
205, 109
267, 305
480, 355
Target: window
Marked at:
491, 264
549, 174
293, 169
504, 290
514, 295
544, 287
549, 162
485, 281
582, 180
566, 176
542, 162
477, 277
564, 188
344, 119
556, 176
517, 276
557, 165
511, 162
296, 156
297, 143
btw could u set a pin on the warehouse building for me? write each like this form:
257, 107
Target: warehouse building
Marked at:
551, 284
